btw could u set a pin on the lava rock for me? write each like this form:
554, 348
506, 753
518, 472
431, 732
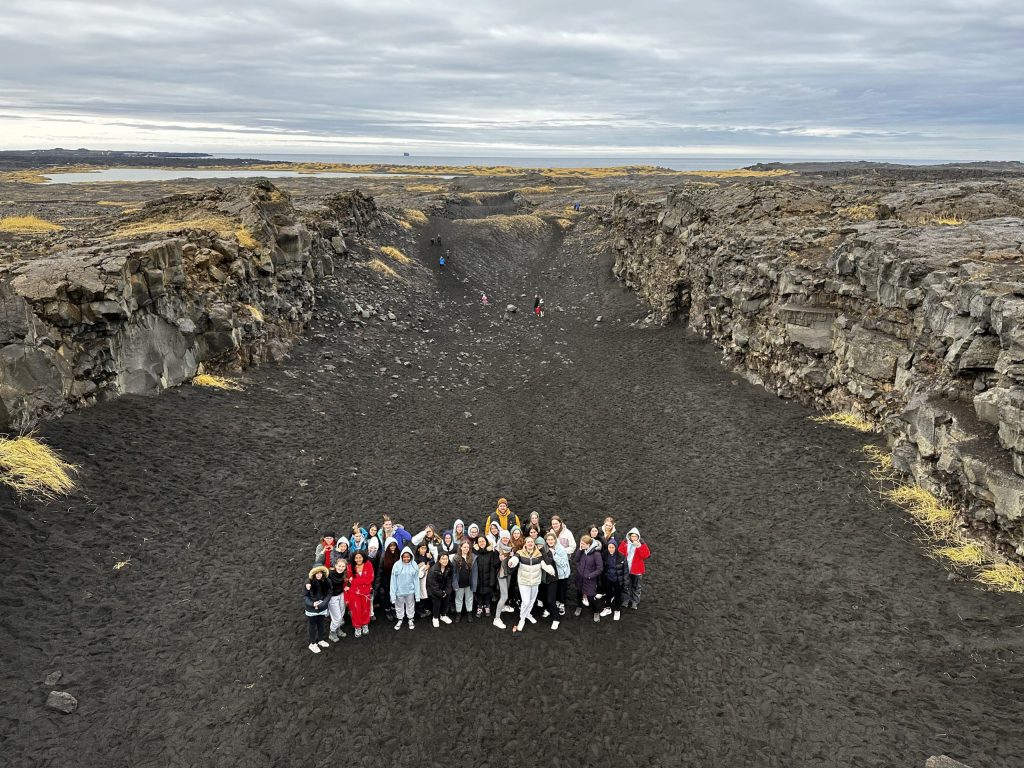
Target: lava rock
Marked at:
62, 702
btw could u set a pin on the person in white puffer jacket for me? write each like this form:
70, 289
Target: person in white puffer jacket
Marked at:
530, 561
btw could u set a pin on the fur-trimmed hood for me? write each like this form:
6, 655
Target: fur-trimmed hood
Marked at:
321, 568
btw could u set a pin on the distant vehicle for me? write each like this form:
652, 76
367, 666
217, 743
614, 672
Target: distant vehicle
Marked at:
405, 154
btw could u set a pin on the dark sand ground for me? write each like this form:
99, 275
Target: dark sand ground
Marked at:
789, 618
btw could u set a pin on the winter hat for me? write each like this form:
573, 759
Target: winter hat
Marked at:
448, 534
503, 500
517, 528
502, 546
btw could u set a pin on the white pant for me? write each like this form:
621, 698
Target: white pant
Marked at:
405, 604
464, 596
336, 607
529, 596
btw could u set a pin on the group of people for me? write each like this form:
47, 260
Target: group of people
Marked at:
470, 573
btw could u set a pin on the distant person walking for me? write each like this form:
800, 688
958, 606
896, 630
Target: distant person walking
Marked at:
536, 304
441, 262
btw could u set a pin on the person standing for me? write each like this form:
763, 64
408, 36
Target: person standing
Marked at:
315, 599
439, 587
558, 591
565, 537
615, 575
504, 551
636, 553
388, 560
324, 554
464, 580
486, 562
360, 593
503, 516
338, 578
405, 585
529, 561
589, 567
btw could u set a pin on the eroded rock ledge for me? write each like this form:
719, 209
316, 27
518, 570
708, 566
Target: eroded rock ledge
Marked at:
905, 306
222, 279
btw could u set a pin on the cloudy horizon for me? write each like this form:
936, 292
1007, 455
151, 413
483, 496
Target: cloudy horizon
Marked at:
795, 79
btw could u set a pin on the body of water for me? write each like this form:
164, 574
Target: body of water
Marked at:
160, 174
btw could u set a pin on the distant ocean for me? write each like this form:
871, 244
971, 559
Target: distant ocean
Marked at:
676, 163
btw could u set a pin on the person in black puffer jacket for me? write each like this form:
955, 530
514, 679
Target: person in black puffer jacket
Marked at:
439, 587
315, 598
615, 573
486, 575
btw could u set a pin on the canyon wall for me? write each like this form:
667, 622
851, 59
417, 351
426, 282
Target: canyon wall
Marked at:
903, 305
221, 279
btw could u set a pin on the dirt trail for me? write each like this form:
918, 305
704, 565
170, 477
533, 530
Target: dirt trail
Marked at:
789, 619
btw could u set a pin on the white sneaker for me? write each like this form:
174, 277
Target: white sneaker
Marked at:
521, 624
324, 644
606, 612
314, 648
446, 619
498, 623
545, 614
411, 625
436, 623
616, 616
399, 624
529, 618
599, 595
586, 601
554, 624
508, 609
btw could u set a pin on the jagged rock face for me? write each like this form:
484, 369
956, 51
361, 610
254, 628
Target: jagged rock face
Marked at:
141, 314
920, 326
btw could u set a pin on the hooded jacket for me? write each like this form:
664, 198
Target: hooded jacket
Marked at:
439, 581
636, 555
388, 562
464, 572
405, 577
458, 537
448, 548
424, 563
506, 521
530, 566
402, 536
614, 566
560, 557
589, 567
486, 562
316, 592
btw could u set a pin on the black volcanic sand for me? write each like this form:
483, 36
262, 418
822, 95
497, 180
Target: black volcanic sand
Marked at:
789, 618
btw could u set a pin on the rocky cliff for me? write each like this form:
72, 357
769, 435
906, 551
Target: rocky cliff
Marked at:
222, 279
904, 305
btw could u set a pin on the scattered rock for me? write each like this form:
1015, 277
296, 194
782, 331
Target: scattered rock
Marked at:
465, 449
53, 678
62, 702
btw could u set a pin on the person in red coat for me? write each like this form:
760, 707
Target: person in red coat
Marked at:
359, 593
636, 553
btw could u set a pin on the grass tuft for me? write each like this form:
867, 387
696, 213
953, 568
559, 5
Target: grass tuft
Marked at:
31, 467
845, 420
379, 266
968, 553
246, 239
739, 173
255, 312
1004, 577
859, 212
28, 225
393, 253
415, 216
938, 520
217, 382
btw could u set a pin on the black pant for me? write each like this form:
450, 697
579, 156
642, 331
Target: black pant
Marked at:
317, 628
551, 598
440, 605
613, 597
562, 590
593, 602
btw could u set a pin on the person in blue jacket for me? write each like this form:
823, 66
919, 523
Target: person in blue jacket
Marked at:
405, 584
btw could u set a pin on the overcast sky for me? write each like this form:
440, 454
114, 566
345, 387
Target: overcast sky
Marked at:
940, 79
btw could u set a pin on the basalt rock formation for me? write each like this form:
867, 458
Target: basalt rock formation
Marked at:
905, 306
222, 279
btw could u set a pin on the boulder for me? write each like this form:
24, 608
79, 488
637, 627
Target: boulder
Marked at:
62, 702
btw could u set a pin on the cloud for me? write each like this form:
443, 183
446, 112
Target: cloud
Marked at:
931, 79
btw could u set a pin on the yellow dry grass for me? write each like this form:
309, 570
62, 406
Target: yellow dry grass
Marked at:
967, 553
845, 420
217, 382
122, 564
424, 188
255, 312
937, 520
31, 467
739, 173
28, 225
883, 469
941, 220
1004, 577
543, 189
379, 266
245, 238
393, 253
415, 216
221, 225
858, 212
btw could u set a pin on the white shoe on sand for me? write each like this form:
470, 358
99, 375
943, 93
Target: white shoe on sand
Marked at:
606, 612
399, 624
314, 648
446, 619
554, 624
436, 623
324, 644
498, 623
616, 616
411, 625
529, 618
